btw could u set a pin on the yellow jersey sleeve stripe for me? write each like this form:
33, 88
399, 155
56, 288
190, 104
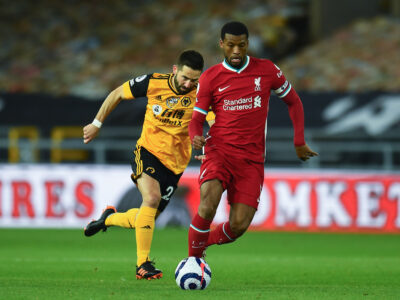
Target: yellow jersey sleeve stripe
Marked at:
127, 91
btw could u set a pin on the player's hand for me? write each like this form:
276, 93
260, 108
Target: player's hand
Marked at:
200, 157
198, 142
304, 152
89, 133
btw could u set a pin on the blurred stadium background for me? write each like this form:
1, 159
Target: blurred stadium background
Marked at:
59, 60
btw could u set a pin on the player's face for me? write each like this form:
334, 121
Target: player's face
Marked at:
185, 78
235, 49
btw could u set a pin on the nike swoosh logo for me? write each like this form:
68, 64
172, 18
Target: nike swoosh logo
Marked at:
221, 89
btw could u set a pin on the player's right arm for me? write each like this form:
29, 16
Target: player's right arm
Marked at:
196, 130
131, 89
200, 111
90, 131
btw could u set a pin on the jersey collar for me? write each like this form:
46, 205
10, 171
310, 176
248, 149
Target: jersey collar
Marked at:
229, 67
171, 84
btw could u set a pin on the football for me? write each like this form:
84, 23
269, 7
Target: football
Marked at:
193, 273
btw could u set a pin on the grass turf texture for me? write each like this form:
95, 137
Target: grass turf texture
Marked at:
64, 264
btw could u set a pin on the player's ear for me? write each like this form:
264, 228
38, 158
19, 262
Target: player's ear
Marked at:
174, 69
221, 43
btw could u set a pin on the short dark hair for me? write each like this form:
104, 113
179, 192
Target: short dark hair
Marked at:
235, 28
192, 59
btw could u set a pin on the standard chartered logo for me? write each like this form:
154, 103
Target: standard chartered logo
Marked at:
242, 103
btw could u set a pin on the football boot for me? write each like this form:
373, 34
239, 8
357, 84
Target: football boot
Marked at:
96, 225
148, 271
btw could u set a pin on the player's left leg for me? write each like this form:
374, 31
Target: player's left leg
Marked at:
243, 196
156, 184
156, 193
240, 218
144, 223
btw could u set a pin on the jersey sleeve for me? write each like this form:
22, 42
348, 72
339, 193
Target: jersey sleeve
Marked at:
203, 96
280, 85
136, 87
201, 109
284, 90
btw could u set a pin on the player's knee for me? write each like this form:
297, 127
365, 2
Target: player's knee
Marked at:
208, 207
210, 195
151, 199
238, 229
239, 226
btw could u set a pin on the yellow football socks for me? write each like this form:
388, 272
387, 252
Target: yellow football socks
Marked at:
144, 224
126, 219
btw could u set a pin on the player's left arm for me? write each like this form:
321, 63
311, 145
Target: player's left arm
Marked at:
296, 112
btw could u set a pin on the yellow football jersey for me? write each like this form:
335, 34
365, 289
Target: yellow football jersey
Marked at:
165, 129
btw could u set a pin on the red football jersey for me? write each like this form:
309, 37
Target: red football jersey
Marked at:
239, 99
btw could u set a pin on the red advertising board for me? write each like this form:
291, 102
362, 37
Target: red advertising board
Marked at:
71, 195
320, 201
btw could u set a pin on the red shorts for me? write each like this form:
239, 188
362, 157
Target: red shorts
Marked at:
242, 178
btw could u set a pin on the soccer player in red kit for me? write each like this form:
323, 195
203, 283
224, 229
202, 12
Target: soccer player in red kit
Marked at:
238, 91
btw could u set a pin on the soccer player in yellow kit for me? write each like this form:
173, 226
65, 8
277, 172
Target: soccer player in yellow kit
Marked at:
162, 152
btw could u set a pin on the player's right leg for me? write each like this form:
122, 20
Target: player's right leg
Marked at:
210, 195
96, 225
123, 219
213, 180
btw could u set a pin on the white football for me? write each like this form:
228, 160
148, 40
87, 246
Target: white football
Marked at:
193, 273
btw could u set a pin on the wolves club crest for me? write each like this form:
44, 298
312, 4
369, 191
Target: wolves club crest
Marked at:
186, 101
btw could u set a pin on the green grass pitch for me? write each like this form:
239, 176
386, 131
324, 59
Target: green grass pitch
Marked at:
64, 264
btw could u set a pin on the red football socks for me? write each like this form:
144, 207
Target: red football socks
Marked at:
198, 234
222, 234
